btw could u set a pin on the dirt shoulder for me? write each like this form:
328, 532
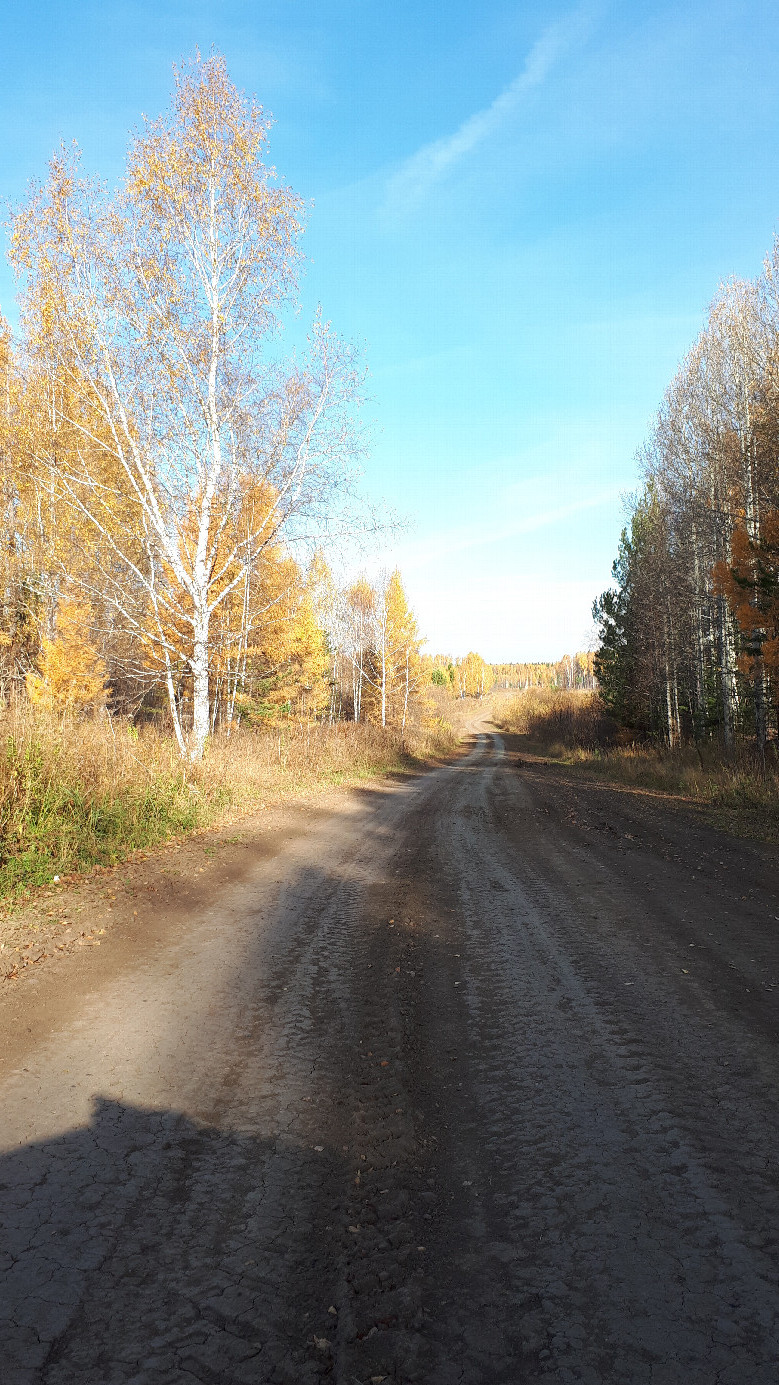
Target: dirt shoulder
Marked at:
740, 815
745, 820
151, 893
674, 825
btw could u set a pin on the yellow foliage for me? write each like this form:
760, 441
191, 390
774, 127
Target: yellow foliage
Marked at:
309, 660
394, 666
750, 584
472, 676
72, 674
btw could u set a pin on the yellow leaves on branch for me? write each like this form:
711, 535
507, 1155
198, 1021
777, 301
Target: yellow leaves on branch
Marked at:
72, 675
197, 183
388, 648
473, 676
172, 455
309, 659
402, 632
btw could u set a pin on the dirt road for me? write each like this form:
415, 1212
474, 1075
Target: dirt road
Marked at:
472, 1080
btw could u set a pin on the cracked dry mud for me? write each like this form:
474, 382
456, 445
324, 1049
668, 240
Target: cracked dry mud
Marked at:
473, 1079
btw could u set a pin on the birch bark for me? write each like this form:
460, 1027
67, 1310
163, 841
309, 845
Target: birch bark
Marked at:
155, 311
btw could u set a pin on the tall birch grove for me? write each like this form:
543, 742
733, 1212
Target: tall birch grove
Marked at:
689, 631
161, 426
171, 483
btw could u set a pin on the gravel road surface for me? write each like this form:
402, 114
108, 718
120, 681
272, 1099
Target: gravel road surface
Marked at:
471, 1079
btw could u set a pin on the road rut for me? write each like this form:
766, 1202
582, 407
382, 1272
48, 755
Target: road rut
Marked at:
473, 1081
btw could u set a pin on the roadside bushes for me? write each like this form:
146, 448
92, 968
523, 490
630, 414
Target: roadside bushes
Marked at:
560, 720
76, 793
575, 727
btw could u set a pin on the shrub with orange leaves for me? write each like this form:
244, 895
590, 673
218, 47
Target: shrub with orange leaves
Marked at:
750, 584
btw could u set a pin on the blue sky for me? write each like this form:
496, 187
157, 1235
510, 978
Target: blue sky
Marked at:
519, 210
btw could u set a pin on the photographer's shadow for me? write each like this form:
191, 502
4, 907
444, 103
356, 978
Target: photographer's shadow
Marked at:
146, 1247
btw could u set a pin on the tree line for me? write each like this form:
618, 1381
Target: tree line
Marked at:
571, 672
173, 486
689, 631
170, 480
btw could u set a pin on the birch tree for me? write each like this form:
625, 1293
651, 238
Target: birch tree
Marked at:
358, 621
680, 656
152, 315
391, 669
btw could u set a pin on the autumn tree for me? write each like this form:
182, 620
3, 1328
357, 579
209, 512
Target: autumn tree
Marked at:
308, 664
358, 613
286, 669
404, 643
750, 584
30, 532
392, 671
326, 607
183, 442
71, 674
711, 481
473, 676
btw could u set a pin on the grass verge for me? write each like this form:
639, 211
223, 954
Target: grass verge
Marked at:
575, 729
74, 795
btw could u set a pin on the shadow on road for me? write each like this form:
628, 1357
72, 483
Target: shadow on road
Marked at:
149, 1243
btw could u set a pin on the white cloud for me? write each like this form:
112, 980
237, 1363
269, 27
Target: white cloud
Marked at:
424, 168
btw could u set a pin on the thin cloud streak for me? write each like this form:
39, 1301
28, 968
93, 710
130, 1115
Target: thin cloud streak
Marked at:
423, 553
424, 168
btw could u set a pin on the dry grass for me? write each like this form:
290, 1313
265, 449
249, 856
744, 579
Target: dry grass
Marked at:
704, 776
574, 727
79, 794
559, 721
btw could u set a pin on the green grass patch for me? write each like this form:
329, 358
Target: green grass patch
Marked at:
52, 824
75, 795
